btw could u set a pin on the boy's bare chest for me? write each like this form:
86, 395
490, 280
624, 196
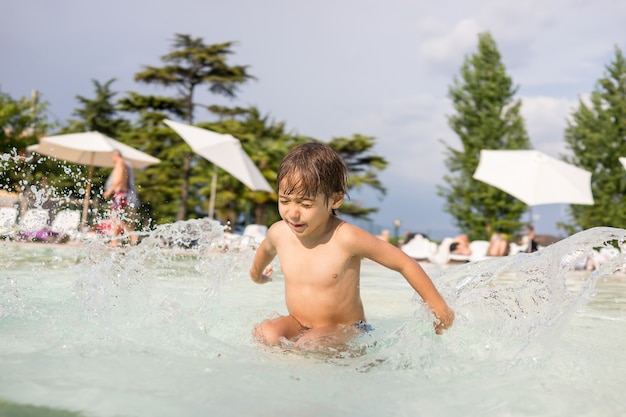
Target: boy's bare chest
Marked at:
320, 264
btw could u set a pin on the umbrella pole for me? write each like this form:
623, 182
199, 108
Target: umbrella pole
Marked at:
530, 222
83, 221
213, 190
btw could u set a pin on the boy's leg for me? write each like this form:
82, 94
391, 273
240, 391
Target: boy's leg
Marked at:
272, 331
329, 336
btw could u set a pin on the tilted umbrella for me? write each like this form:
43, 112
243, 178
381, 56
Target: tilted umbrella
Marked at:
224, 151
623, 161
91, 149
534, 177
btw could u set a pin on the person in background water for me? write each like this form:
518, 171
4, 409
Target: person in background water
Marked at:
320, 257
120, 188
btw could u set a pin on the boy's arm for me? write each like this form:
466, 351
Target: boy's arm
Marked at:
392, 257
261, 269
421, 283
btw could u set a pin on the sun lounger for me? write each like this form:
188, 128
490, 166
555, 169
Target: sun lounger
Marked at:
257, 232
8, 222
443, 255
601, 256
65, 224
34, 225
419, 248
479, 249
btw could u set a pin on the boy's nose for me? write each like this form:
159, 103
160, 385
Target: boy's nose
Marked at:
293, 212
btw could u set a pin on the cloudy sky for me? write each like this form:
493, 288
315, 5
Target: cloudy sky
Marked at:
333, 68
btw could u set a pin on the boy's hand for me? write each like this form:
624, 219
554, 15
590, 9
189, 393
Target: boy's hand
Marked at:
444, 321
266, 275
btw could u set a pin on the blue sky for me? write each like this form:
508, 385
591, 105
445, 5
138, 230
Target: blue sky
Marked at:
333, 68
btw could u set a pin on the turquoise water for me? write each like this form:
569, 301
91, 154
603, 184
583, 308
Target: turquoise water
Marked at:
161, 331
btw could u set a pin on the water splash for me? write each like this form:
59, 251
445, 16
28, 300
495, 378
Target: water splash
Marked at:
517, 307
178, 309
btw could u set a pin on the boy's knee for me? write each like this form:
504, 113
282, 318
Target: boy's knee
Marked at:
265, 333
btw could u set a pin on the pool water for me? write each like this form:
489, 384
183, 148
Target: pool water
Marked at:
159, 330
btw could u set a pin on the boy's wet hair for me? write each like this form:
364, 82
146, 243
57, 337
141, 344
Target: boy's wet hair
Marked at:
311, 169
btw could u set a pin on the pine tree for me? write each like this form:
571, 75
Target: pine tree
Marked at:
192, 64
487, 117
596, 137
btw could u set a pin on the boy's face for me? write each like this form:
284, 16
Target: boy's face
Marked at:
305, 214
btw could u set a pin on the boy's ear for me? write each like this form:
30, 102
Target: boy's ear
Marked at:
337, 200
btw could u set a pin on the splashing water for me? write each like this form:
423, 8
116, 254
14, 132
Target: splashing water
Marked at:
156, 329
164, 328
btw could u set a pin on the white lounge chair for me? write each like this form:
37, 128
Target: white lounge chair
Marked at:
419, 248
479, 249
256, 232
443, 255
66, 223
8, 221
33, 224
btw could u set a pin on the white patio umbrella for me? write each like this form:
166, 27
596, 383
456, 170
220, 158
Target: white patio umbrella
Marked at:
623, 161
91, 149
225, 151
534, 177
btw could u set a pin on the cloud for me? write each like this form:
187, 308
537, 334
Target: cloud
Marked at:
546, 122
332, 68
446, 47
407, 131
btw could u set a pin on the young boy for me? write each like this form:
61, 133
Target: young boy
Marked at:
320, 256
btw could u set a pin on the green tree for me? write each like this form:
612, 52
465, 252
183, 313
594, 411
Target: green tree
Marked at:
22, 122
189, 65
266, 142
363, 166
487, 117
160, 184
596, 137
99, 114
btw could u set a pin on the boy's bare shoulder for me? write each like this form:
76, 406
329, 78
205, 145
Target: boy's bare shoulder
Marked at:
359, 242
276, 229
278, 232
345, 226
352, 234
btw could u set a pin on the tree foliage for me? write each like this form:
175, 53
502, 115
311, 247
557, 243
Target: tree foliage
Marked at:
596, 137
98, 114
487, 117
363, 166
137, 120
22, 121
189, 65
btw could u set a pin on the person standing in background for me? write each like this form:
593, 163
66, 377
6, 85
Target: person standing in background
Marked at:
120, 188
528, 240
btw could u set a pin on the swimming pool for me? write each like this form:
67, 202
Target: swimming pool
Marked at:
161, 331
